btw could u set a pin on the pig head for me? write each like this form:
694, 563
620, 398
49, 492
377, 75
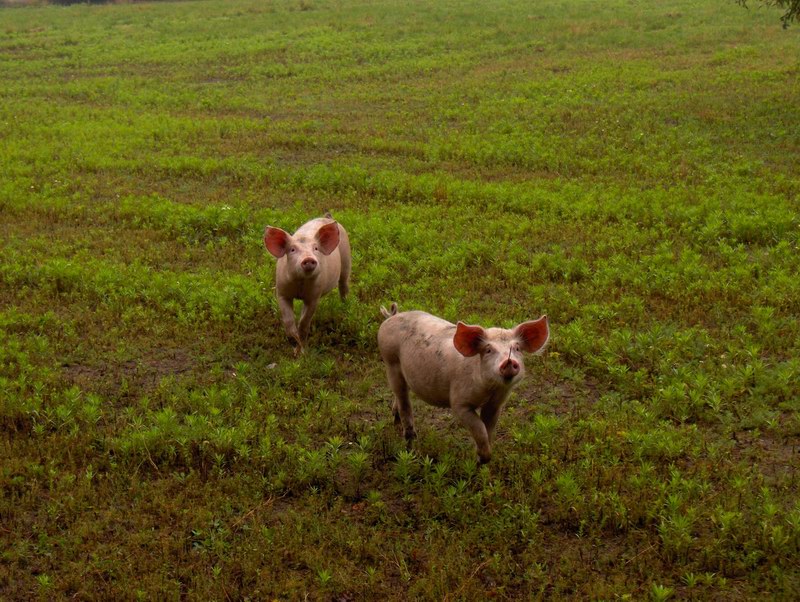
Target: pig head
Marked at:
469, 369
311, 262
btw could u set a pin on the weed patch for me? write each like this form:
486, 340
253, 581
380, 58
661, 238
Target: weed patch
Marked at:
631, 171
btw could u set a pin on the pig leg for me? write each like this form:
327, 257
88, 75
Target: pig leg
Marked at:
287, 316
344, 276
469, 418
489, 415
401, 407
309, 307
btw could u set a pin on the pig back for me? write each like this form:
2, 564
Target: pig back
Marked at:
422, 345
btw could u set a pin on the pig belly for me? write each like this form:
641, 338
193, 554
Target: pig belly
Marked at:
424, 373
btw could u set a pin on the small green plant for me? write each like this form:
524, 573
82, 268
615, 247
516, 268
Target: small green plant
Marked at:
406, 466
324, 576
359, 463
661, 593
45, 583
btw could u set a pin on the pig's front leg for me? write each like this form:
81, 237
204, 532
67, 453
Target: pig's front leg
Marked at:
309, 307
489, 415
469, 418
287, 317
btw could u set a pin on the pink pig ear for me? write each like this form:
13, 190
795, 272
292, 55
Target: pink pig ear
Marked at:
533, 336
468, 339
328, 237
276, 241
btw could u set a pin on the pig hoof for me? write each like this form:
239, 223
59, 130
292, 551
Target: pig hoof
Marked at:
410, 434
396, 418
482, 460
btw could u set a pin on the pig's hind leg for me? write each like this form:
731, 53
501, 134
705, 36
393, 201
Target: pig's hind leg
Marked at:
344, 276
401, 406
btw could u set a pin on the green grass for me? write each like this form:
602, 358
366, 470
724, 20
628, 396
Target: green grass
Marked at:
630, 169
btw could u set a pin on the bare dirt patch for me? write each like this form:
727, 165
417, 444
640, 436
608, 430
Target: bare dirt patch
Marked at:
563, 398
775, 454
134, 376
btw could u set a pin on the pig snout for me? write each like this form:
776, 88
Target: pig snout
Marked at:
509, 368
309, 264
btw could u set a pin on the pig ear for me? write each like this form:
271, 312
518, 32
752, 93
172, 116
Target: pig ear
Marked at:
533, 336
276, 241
328, 237
468, 339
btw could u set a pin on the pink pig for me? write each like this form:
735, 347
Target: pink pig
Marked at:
469, 369
311, 262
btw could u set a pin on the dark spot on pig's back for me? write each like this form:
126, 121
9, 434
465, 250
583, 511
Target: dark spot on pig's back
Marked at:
408, 330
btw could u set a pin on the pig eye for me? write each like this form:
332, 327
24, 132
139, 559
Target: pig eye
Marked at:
489, 350
292, 250
316, 247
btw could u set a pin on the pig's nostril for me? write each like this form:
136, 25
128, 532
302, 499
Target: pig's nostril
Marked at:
309, 264
509, 368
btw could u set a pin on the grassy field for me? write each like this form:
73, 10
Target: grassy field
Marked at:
629, 169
